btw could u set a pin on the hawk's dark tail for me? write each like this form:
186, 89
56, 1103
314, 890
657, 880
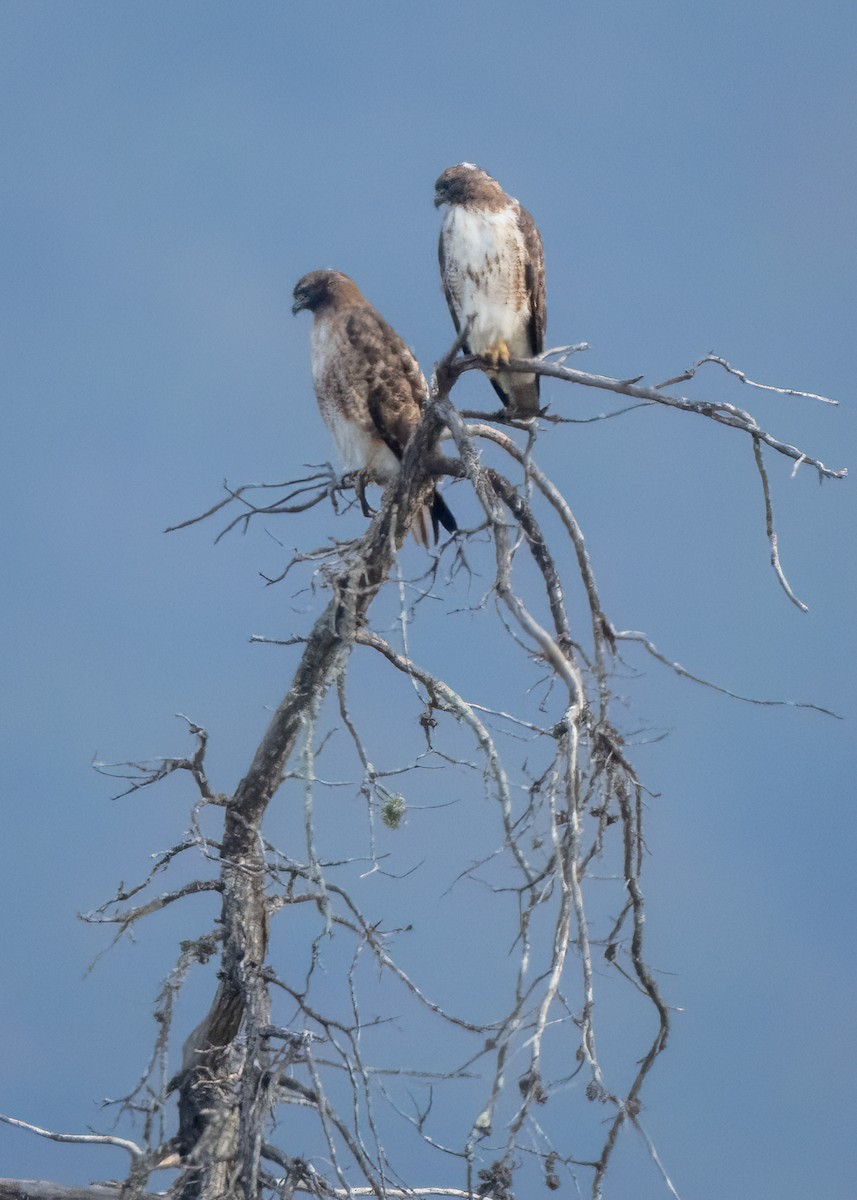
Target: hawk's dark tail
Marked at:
428, 520
441, 515
519, 396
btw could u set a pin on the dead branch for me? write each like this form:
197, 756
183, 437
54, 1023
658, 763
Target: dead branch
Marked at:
633, 635
722, 413
765, 387
84, 1139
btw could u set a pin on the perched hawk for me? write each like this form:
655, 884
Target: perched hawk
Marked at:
493, 274
369, 386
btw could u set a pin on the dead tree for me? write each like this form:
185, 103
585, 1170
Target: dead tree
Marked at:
277, 1094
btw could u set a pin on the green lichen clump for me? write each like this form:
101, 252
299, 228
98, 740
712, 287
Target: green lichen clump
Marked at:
393, 811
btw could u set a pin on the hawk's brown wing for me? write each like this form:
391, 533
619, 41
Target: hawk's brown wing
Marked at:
394, 387
534, 274
391, 378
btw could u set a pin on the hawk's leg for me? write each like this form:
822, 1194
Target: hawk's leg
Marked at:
360, 481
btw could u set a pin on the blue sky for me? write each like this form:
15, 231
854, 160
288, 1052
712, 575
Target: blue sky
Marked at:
168, 172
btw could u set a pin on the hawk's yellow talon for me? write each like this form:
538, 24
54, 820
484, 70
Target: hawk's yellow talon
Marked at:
496, 354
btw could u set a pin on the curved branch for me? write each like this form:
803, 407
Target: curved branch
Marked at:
86, 1139
486, 490
723, 414
443, 697
771, 532
127, 918
633, 635
739, 375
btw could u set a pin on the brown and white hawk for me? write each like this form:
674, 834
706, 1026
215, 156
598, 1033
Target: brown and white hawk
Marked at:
369, 387
493, 273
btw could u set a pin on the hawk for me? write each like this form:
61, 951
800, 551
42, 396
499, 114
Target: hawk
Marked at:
369, 387
493, 274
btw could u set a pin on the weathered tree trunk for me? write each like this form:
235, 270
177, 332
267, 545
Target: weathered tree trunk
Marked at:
221, 1084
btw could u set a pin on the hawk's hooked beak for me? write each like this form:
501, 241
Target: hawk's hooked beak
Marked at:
300, 303
438, 200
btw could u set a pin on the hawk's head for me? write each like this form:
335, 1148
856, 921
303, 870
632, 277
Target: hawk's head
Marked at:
323, 287
465, 184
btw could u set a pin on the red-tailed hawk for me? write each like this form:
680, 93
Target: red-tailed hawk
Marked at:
369, 387
493, 273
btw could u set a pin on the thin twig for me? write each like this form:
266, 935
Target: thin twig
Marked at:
771, 532
765, 387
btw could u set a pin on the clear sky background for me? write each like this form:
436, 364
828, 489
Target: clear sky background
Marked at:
168, 172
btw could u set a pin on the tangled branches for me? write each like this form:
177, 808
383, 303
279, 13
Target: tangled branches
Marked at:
548, 876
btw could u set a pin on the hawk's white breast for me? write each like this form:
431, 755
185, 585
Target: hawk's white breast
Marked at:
485, 258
